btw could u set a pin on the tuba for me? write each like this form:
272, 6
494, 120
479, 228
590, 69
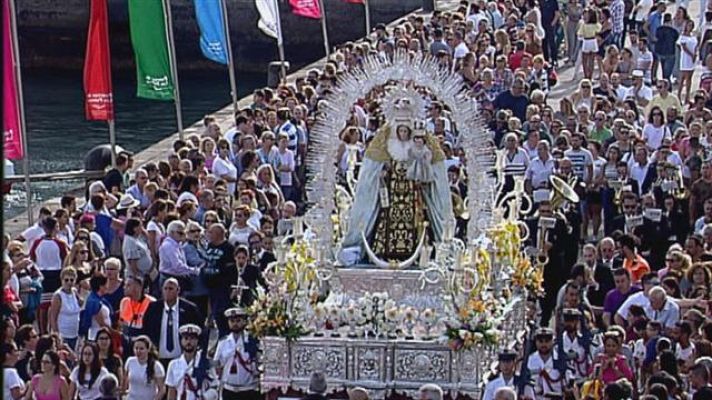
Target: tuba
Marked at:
561, 194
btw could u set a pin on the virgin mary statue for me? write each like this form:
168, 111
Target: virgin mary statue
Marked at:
402, 184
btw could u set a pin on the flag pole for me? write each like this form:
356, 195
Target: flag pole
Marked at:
280, 43
174, 68
324, 30
21, 108
368, 17
230, 61
112, 140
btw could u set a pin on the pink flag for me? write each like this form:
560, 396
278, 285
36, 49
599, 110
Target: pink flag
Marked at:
14, 149
306, 8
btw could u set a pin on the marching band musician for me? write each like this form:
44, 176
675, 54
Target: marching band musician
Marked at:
506, 377
190, 376
236, 358
547, 380
576, 346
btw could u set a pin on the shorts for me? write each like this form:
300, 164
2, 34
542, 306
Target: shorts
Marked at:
589, 46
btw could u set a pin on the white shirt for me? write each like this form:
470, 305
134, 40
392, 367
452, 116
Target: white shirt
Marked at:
222, 168
638, 173
637, 299
668, 316
139, 389
68, 317
539, 172
645, 92
496, 383
11, 380
162, 351
461, 50
32, 234
178, 369
687, 63
245, 374
536, 365
105, 316
84, 392
684, 354
577, 368
285, 158
654, 136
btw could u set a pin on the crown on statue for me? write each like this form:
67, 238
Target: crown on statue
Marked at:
405, 113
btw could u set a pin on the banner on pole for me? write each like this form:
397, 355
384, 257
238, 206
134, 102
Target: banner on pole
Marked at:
306, 8
98, 102
148, 37
269, 15
213, 43
13, 146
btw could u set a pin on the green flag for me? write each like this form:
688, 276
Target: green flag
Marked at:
148, 37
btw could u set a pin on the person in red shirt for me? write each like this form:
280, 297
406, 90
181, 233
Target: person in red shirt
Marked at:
515, 59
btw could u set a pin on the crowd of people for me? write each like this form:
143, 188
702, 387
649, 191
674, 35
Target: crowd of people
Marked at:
117, 298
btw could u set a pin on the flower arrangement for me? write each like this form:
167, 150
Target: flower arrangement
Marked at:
508, 243
477, 322
293, 283
273, 317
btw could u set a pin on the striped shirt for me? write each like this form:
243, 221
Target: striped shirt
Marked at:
580, 160
516, 164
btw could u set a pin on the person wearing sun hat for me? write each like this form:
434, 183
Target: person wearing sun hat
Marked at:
236, 358
127, 202
191, 376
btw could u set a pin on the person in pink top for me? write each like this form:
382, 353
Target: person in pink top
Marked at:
49, 384
612, 363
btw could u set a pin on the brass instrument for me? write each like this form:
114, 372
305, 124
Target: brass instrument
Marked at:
543, 228
562, 194
680, 192
617, 186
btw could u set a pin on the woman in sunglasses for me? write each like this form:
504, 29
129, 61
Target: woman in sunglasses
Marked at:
65, 308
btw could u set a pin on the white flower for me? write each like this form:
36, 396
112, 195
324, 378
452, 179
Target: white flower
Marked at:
392, 314
478, 337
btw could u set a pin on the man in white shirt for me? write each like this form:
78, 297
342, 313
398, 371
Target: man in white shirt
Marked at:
236, 357
638, 299
34, 232
662, 309
540, 168
190, 376
640, 92
461, 48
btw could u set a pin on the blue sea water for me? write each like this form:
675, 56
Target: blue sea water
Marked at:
59, 136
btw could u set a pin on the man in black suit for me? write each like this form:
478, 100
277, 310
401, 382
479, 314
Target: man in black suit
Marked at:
164, 317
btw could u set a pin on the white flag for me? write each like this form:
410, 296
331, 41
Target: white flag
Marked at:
269, 22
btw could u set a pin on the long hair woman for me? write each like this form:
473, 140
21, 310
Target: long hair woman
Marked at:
144, 375
110, 360
85, 377
49, 384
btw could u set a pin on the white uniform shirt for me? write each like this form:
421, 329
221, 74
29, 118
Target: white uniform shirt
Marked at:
496, 383
225, 355
576, 368
179, 369
543, 386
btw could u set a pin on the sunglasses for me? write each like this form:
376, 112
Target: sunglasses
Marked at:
194, 231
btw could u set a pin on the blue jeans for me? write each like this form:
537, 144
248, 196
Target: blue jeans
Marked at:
667, 62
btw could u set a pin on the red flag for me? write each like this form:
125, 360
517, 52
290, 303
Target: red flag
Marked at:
99, 102
306, 8
13, 146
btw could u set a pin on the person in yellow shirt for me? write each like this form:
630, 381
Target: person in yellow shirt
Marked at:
588, 32
664, 99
